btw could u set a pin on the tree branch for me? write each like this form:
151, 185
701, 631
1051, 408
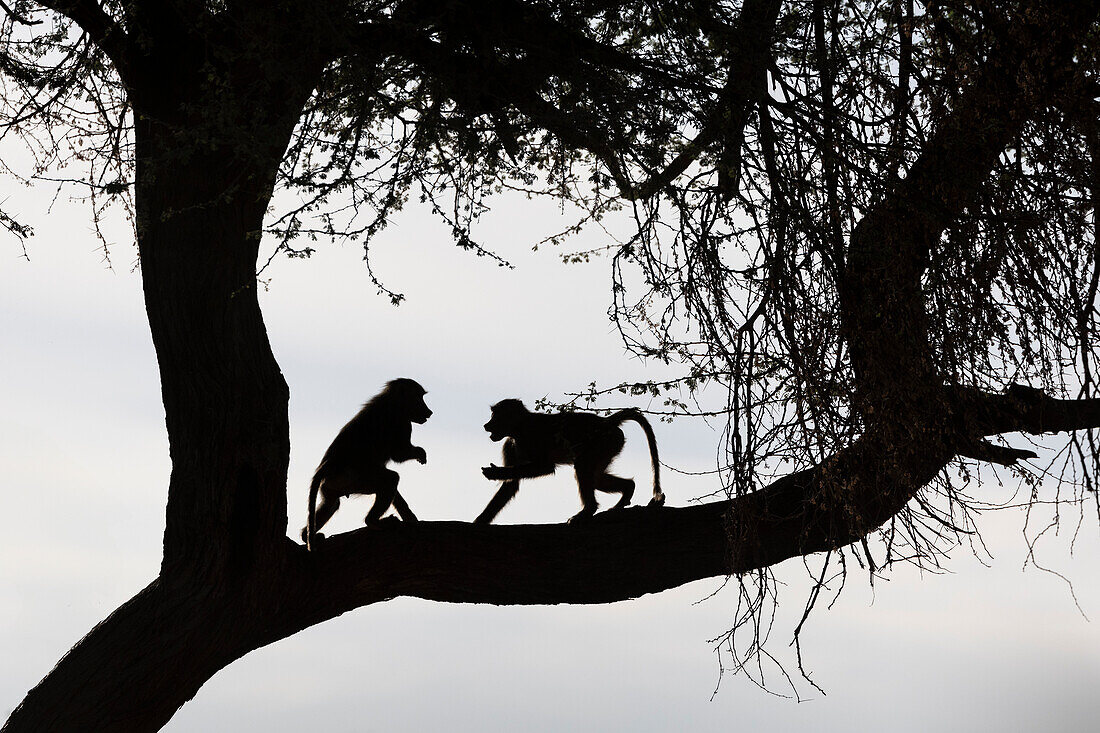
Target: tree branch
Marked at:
1027, 410
881, 296
618, 555
17, 16
104, 32
983, 450
749, 57
614, 556
472, 82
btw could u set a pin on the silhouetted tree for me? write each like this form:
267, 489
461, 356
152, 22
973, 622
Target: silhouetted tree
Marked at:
877, 217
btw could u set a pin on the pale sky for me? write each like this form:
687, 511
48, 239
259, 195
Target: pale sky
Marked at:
84, 470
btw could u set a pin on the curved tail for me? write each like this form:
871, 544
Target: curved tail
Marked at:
311, 518
631, 414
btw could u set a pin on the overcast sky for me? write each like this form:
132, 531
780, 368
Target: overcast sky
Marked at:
84, 470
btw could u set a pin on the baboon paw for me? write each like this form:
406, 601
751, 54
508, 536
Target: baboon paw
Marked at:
494, 472
580, 517
383, 522
657, 500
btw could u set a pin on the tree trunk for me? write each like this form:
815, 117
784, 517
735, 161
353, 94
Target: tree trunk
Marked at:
200, 210
138, 666
225, 400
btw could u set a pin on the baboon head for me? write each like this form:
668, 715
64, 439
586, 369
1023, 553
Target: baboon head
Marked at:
409, 396
507, 416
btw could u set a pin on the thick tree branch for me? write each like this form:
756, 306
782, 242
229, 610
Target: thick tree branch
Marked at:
881, 296
614, 556
618, 555
1027, 410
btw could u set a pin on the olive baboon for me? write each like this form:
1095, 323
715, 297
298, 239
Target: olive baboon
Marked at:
536, 443
356, 461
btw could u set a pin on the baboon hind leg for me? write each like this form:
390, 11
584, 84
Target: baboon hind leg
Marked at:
612, 484
402, 507
326, 506
591, 469
588, 478
383, 484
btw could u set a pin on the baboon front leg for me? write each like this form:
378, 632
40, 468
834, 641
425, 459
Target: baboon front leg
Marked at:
505, 494
507, 490
403, 508
410, 453
514, 472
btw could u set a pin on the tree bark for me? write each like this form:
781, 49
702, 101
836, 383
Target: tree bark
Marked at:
225, 400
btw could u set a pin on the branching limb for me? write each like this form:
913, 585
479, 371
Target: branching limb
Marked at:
17, 16
491, 84
882, 303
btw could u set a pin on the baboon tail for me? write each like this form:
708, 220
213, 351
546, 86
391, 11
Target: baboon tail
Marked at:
311, 517
631, 414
